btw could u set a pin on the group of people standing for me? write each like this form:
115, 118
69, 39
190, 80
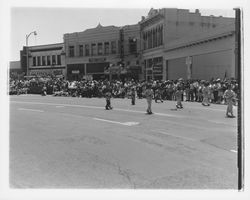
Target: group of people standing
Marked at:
207, 92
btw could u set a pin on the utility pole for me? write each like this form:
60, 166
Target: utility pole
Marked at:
27, 51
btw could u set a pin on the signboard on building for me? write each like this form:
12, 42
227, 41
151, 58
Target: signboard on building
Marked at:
46, 72
97, 60
75, 71
157, 69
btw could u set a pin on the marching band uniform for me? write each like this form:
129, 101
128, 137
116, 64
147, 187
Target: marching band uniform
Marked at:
178, 95
230, 96
133, 96
149, 96
206, 94
108, 103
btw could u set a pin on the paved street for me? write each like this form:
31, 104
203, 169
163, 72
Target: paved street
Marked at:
66, 142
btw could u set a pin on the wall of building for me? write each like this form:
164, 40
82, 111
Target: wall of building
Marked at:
97, 58
176, 68
41, 57
182, 23
210, 59
165, 34
212, 65
179, 26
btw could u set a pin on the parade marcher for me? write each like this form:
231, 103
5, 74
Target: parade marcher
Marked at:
108, 101
149, 96
178, 96
229, 96
133, 96
158, 95
206, 95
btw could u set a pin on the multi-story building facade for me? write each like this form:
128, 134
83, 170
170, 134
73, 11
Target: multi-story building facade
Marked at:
103, 52
166, 44
44, 60
90, 52
163, 27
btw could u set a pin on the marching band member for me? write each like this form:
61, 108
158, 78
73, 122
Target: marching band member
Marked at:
149, 96
229, 96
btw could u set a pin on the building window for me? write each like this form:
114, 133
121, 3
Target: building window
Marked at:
38, 61
137, 62
48, 60
132, 45
71, 51
106, 48
161, 36
53, 60
43, 61
34, 61
86, 50
144, 41
93, 50
113, 47
99, 48
80, 50
59, 59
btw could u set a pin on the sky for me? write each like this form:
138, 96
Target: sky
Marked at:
51, 23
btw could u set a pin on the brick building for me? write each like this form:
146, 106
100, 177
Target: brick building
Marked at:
165, 44
162, 29
44, 60
102, 52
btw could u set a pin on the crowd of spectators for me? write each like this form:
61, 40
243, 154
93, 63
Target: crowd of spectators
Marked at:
164, 90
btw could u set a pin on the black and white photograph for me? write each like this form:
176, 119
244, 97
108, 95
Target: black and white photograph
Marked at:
122, 97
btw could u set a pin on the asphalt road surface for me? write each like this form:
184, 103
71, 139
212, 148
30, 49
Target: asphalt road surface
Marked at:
66, 142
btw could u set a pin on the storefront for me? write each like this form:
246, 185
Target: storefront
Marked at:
153, 68
75, 71
96, 70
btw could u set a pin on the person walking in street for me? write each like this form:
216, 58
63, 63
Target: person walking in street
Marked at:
107, 91
206, 94
149, 96
133, 96
108, 100
230, 97
178, 95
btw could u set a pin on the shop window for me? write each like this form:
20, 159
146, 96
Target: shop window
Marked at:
86, 50
106, 48
48, 60
99, 48
59, 59
38, 61
34, 61
43, 61
80, 50
93, 50
53, 60
113, 47
71, 51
